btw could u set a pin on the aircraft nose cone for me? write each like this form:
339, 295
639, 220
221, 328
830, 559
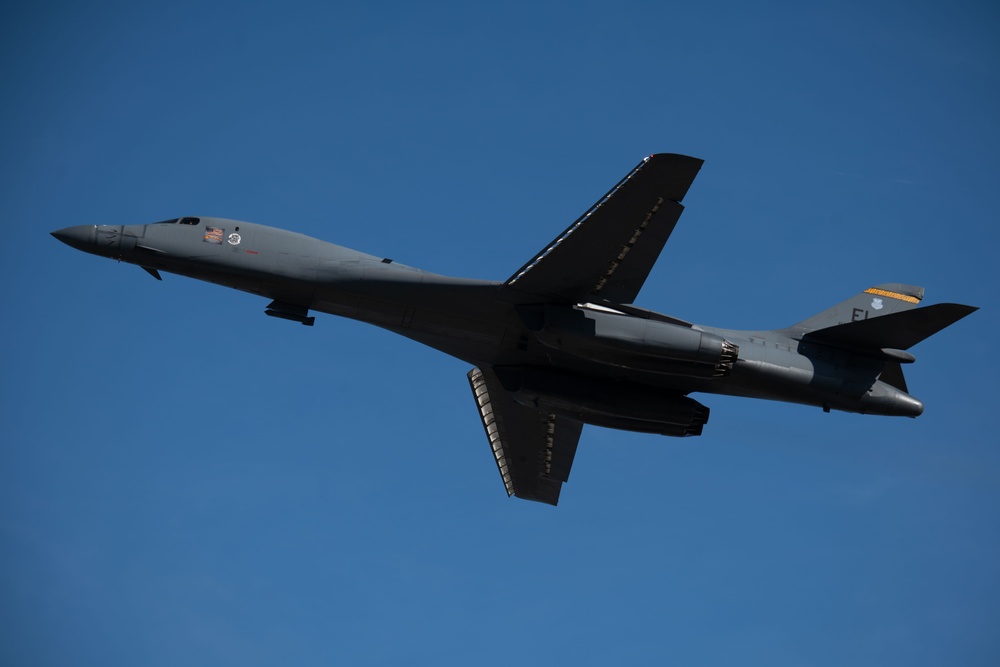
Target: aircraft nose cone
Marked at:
80, 237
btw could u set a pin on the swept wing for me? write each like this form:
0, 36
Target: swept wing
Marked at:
533, 449
608, 252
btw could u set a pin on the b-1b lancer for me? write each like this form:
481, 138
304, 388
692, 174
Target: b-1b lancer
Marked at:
560, 343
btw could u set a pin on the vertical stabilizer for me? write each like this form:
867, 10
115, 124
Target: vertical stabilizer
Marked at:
875, 301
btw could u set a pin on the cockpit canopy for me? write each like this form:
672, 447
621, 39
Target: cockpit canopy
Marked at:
179, 221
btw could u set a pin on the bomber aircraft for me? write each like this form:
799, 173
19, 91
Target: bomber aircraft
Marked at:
560, 343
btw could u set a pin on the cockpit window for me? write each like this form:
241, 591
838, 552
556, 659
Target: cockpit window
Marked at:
166, 222
189, 221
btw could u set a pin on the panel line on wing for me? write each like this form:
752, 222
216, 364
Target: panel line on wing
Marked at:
616, 262
550, 438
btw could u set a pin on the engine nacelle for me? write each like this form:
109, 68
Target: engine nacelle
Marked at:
636, 342
610, 404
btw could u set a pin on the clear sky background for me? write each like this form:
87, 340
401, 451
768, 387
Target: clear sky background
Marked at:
184, 481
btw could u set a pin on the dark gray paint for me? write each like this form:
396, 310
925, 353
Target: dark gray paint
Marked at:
559, 344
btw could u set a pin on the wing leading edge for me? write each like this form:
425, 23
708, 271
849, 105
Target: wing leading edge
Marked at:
608, 252
533, 449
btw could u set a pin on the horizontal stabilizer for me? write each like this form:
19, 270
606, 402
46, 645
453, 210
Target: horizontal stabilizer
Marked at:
898, 331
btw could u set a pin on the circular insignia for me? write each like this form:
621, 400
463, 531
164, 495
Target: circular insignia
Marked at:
234, 239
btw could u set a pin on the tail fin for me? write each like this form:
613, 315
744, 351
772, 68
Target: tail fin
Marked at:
889, 335
882, 321
876, 301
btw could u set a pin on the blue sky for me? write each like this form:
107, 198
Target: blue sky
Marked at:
186, 481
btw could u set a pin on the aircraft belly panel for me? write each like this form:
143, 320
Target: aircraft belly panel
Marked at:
437, 323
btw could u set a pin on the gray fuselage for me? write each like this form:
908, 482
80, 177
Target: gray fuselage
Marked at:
638, 352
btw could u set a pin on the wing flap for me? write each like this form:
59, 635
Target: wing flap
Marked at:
609, 251
533, 449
